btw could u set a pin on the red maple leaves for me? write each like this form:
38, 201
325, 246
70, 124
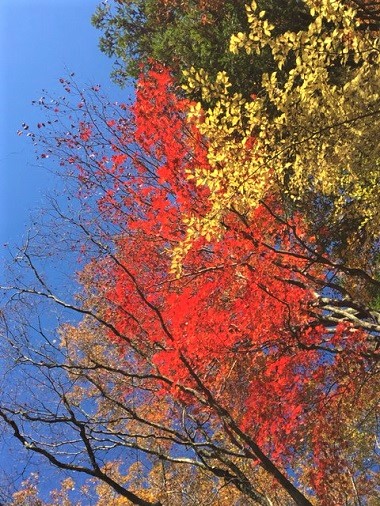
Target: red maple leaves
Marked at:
240, 324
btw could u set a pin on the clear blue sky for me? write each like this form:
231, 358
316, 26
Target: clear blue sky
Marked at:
40, 41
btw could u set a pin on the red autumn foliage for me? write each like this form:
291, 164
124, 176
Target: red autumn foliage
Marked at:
240, 324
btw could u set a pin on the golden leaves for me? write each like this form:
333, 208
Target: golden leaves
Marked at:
314, 127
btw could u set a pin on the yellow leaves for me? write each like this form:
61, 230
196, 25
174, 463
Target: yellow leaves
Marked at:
260, 32
209, 228
267, 28
198, 80
313, 127
222, 78
237, 41
250, 10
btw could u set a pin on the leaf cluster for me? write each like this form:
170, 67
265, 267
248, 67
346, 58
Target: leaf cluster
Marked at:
185, 34
249, 360
308, 135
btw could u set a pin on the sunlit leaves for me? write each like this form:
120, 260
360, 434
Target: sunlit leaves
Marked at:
236, 318
314, 123
204, 333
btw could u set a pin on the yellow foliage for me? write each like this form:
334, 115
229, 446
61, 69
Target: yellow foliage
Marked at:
315, 126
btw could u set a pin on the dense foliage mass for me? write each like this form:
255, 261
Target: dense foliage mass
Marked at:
312, 132
181, 34
223, 347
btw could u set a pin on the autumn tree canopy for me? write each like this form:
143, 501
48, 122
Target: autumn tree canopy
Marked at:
238, 367
311, 132
181, 34
220, 342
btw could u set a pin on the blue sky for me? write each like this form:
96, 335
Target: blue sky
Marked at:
41, 40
